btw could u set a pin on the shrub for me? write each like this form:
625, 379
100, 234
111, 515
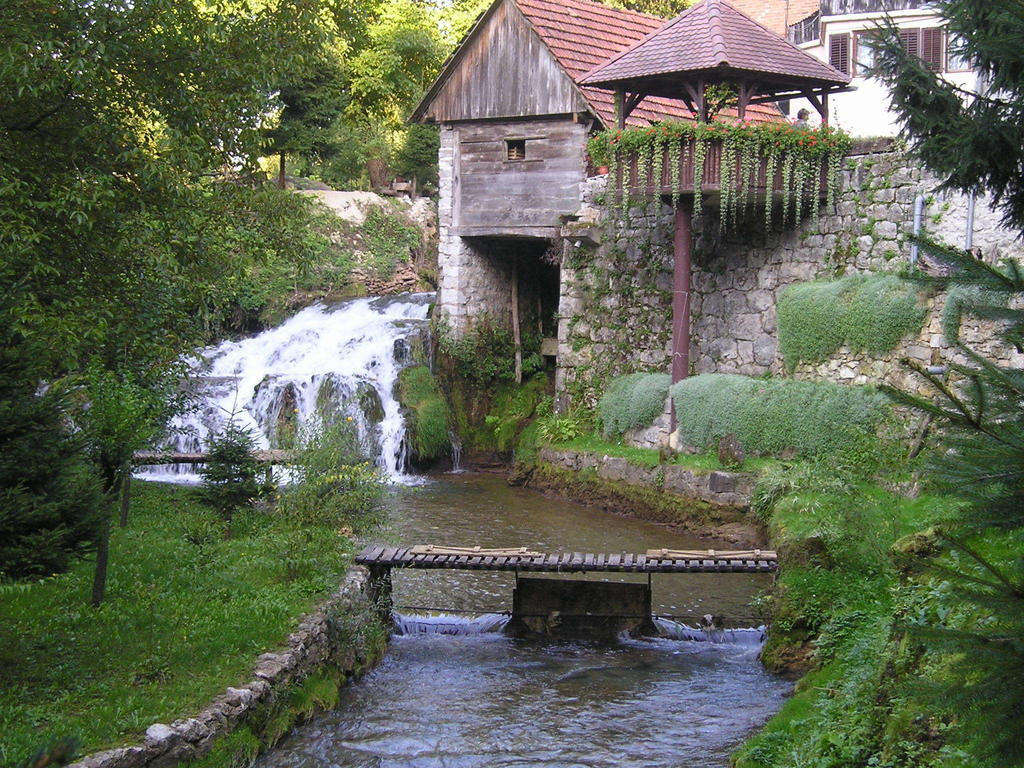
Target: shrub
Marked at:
333, 483
871, 313
230, 477
770, 416
388, 240
429, 422
632, 401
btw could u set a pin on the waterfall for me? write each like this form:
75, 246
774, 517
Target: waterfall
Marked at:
674, 630
447, 624
340, 358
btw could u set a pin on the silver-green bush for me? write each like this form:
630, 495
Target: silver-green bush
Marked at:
632, 401
871, 313
769, 416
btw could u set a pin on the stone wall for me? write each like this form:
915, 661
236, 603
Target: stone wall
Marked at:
616, 300
714, 505
315, 645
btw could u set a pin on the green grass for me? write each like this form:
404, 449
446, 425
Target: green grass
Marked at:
650, 457
429, 427
186, 614
841, 591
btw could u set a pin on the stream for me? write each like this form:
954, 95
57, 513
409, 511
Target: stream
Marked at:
454, 691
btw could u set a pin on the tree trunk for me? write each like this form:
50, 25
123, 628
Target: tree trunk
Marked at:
112, 479
99, 577
126, 494
281, 183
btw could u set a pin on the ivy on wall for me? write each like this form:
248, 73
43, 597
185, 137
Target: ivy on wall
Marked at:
638, 156
870, 313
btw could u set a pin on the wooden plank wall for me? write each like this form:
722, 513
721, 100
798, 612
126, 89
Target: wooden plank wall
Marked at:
505, 71
499, 193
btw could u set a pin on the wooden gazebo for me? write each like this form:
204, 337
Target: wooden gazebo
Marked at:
708, 44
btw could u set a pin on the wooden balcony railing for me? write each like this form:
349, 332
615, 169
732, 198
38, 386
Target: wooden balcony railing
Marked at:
629, 178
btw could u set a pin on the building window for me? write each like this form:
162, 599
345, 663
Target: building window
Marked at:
954, 61
839, 52
863, 54
927, 44
515, 149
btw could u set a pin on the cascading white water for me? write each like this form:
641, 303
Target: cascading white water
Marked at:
448, 624
343, 358
674, 630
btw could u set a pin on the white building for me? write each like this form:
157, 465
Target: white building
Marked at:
837, 33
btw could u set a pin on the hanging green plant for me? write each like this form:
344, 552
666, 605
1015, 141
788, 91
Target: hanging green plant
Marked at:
636, 159
772, 165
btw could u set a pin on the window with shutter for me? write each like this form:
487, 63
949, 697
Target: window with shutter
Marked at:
910, 39
933, 46
839, 52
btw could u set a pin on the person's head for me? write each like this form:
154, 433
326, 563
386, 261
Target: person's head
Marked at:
803, 114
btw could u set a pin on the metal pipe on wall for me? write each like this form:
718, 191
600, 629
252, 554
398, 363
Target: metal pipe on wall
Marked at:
918, 214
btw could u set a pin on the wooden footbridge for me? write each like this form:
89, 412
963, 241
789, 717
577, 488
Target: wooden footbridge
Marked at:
523, 559
564, 606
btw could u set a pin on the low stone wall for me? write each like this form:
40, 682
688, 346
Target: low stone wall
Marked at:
711, 504
314, 645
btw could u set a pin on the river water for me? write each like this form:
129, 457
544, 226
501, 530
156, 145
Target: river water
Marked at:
454, 692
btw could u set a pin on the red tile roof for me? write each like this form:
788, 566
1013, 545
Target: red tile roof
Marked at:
714, 36
583, 35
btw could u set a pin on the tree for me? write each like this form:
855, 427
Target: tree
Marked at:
50, 503
230, 476
129, 137
976, 142
309, 107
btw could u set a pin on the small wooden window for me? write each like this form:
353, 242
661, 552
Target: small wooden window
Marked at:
933, 48
515, 149
839, 52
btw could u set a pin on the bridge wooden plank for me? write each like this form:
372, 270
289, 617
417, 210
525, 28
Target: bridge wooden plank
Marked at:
655, 561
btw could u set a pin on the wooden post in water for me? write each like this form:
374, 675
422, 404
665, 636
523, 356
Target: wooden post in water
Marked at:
516, 333
682, 245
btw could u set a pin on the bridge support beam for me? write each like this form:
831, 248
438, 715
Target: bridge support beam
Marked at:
572, 607
378, 589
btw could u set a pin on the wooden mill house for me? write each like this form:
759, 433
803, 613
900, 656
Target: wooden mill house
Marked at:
514, 124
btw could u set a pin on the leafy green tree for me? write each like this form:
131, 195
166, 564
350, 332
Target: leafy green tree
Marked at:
309, 107
666, 9
976, 143
129, 136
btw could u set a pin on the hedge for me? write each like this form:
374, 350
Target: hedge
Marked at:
632, 401
769, 416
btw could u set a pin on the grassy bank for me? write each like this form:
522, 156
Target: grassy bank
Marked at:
187, 612
651, 457
854, 583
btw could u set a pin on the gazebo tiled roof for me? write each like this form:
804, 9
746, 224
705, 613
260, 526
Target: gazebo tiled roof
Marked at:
583, 34
715, 41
